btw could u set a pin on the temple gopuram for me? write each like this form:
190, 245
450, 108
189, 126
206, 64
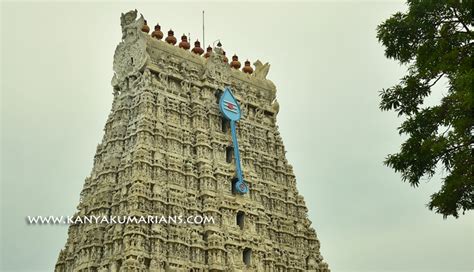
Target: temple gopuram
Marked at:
190, 132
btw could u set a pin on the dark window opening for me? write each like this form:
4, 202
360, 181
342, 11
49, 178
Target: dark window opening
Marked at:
247, 255
240, 219
119, 264
218, 96
147, 263
225, 124
229, 154
234, 181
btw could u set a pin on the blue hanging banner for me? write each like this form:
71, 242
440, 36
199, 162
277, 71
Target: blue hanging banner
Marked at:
230, 108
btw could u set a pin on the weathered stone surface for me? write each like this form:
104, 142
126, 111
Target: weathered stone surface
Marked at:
164, 153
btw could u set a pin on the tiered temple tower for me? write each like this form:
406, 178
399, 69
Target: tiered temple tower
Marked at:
166, 150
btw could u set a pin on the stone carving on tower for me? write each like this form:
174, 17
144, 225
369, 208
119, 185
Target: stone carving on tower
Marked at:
167, 150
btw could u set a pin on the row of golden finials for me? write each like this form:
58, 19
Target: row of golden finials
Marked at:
171, 39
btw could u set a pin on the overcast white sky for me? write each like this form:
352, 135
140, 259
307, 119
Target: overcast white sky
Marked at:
56, 67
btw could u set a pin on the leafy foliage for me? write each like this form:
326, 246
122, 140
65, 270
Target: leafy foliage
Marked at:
435, 40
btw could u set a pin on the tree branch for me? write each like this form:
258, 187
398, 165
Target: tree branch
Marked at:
436, 80
463, 24
444, 133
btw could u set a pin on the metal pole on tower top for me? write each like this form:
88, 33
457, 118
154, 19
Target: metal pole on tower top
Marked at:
203, 41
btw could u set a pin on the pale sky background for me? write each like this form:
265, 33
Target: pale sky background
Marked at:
56, 67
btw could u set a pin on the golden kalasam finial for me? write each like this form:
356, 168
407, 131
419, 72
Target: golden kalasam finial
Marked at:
235, 63
171, 39
247, 68
197, 48
184, 43
145, 27
208, 52
157, 33
226, 60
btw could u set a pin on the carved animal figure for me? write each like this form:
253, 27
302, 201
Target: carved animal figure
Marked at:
261, 70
